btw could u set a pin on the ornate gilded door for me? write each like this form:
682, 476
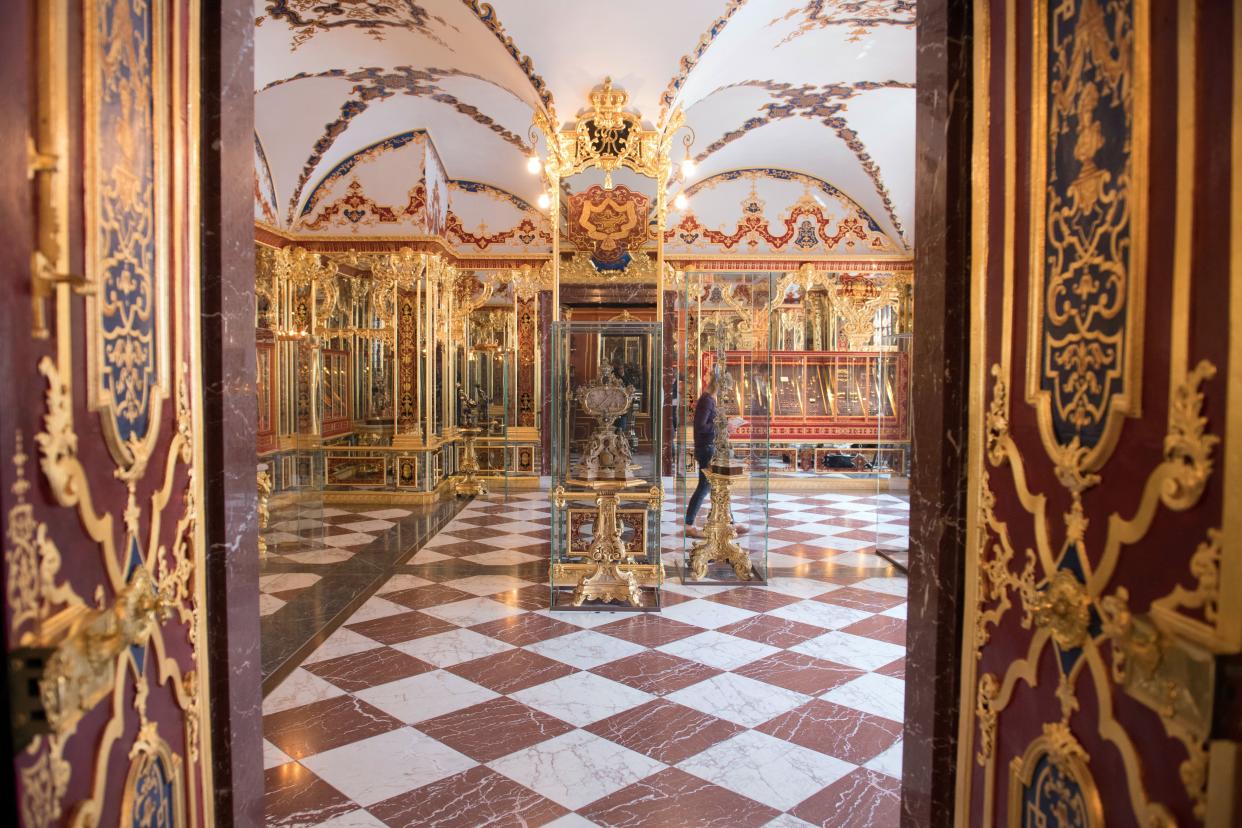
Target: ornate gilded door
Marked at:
100, 424
1104, 588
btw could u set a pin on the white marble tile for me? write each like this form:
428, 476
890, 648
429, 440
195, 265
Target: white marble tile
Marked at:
368, 525
739, 699
799, 587
888, 762
425, 696
851, 650
353, 819
343, 642
888, 586
503, 557
788, 821
319, 556
581, 618
509, 541
269, 603
454, 647
518, 526
297, 523
350, 539
582, 698
860, 560
872, 693
694, 590
576, 768
299, 688
376, 607
585, 649
444, 538
706, 614
472, 611
766, 769
571, 820
329, 512
715, 649
426, 556
488, 584
383, 766
274, 756
403, 581
388, 514
898, 611
820, 614
286, 581
776, 559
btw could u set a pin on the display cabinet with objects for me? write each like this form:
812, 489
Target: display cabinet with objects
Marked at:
606, 489
725, 377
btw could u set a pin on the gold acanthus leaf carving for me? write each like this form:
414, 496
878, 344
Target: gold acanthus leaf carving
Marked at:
1205, 567
997, 421
986, 713
1188, 446
45, 779
1063, 607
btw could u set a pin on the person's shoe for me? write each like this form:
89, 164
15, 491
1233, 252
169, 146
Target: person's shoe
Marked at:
694, 532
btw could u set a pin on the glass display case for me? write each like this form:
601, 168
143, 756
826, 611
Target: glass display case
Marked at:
727, 392
606, 440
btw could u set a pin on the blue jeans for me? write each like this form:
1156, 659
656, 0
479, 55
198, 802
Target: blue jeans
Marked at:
704, 458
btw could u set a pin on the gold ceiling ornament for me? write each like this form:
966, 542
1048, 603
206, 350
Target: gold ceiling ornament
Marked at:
609, 137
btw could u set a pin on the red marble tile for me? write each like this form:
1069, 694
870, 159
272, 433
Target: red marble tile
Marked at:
798, 672
835, 730
405, 626
369, 668
860, 799
795, 536
861, 534
431, 595
881, 628
756, 600
528, 598
665, 731
528, 628
674, 797
475, 533
897, 669
668, 599
511, 670
494, 728
288, 595
773, 631
649, 629
323, 725
471, 799
295, 797
460, 548
655, 672
862, 599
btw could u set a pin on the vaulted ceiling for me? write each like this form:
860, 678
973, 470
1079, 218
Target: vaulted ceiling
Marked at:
824, 88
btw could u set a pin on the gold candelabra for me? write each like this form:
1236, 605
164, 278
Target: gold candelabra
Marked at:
469, 484
720, 538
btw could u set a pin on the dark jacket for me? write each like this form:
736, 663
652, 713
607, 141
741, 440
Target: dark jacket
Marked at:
704, 427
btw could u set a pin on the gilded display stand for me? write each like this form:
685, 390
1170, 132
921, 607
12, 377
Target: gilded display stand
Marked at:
263, 482
469, 484
719, 543
607, 578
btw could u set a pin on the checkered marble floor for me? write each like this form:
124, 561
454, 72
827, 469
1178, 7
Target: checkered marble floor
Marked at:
316, 536
454, 697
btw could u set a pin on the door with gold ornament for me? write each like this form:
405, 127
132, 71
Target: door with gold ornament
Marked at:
1103, 607
100, 424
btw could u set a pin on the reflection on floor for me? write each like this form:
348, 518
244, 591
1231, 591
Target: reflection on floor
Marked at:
453, 697
322, 562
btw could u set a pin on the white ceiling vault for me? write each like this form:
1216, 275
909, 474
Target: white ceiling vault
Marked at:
823, 89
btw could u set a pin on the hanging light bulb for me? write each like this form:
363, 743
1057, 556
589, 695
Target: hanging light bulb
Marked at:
544, 201
681, 202
532, 165
687, 166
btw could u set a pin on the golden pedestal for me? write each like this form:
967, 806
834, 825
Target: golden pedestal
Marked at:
720, 536
469, 484
605, 580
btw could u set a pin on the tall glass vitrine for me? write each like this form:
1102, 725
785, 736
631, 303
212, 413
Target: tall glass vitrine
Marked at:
607, 441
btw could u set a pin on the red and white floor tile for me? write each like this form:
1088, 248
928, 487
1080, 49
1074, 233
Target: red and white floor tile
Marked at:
454, 697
